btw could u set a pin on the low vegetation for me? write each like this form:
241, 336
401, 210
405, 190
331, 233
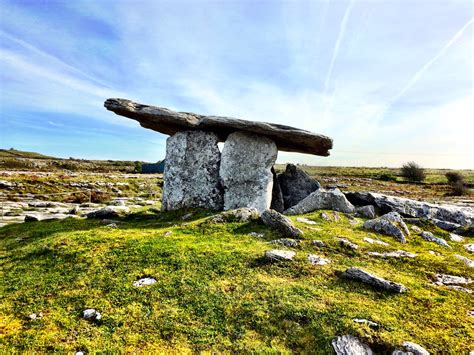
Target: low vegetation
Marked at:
413, 172
215, 292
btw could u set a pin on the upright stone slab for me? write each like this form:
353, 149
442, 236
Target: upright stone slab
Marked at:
245, 171
191, 177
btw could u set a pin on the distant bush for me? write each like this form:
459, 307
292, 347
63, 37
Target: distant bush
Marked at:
457, 184
16, 164
387, 177
413, 172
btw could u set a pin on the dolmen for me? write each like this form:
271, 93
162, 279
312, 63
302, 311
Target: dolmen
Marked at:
197, 174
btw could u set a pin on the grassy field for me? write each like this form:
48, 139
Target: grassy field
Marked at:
215, 292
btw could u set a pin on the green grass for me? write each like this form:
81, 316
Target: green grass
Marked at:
214, 291
13, 153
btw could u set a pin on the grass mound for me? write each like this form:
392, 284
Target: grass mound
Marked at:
214, 291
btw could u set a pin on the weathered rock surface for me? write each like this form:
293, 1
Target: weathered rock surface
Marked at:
392, 254
296, 185
410, 348
277, 196
279, 255
390, 224
350, 345
455, 238
170, 122
106, 212
290, 243
305, 221
281, 223
318, 243
191, 177
469, 247
243, 215
366, 321
376, 281
245, 171
91, 314
457, 215
428, 236
346, 243
322, 200
146, 281
317, 260
366, 211
465, 260
443, 279
375, 241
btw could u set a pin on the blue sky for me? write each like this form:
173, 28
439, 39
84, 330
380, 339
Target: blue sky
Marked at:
389, 81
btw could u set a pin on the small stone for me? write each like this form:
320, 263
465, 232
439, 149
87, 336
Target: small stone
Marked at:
350, 345
30, 218
443, 279
146, 281
91, 314
410, 348
347, 243
281, 223
375, 241
428, 236
291, 243
435, 253
187, 216
376, 281
416, 229
106, 212
256, 235
167, 233
390, 224
470, 313
112, 225
325, 216
465, 260
34, 316
460, 288
318, 243
455, 237
279, 255
78, 353
242, 215
317, 260
366, 211
469, 247
393, 254
305, 220
366, 321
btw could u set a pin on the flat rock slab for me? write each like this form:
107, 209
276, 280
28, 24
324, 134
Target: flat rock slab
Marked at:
350, 345
281, 223
428, 236
169, 122
392, 254
317, 260
279, 255
443, 279
376, 281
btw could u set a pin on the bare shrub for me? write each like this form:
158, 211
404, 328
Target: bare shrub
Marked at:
457, 184
413, 172
454, 176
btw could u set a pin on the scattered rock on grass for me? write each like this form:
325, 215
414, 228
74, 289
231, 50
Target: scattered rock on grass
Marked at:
91, 314
279, 255
366, 211
460, 288
30, 218
376, 281
366, 321
391, 224
456, 238
167, 233
34, 316
106, 212
256, 235
416, 229
305, 220
350, 345
435, 253
428, 236
469, 247
393, 254
410, 348
317, 260
465, 260
318, 243
112, 225
443, 279
146, 281
281, 223
325, 216
243, 215
291, 243
375, 241
347, 243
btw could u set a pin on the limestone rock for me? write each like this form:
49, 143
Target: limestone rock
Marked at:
455, 238
347, 243
469, 247
366, 211
392, 254
31, 218
317, 260
376, 281
290, 243
443, 279
296, 185
91, 314
305, 221
465, 260
318, 243
366, 321
281, 223
191, 177
391, 224
410, 348
322, 200
106, 212
256, 235
428, 236
350, 345
279, 255
416, 229
457, 215
277, 196
146, 281
242, 215
170, 122
375, 241
245, 171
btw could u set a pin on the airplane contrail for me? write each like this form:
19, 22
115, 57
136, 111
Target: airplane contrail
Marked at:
422, 70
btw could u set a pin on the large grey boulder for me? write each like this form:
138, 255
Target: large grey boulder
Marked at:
245, 171
457, 216
281, 223
322, 200
296, 185
391, 223
170, 122
350, 345
191, 177
376, 281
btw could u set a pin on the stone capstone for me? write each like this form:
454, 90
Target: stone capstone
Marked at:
375, 281
191, 177
350, 345
170, 122
296, 185
391, 224
322, 200
245, 171
281, 223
